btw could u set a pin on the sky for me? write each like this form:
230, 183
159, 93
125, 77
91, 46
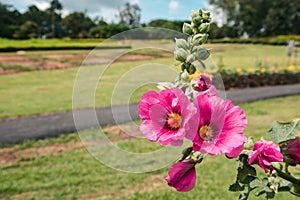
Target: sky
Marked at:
151, 9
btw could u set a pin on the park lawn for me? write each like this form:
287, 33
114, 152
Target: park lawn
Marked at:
50, 91
39, 92
75, 174
244, 56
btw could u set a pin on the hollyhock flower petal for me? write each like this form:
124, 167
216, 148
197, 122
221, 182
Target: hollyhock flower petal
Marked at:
167, 116
182, 176
292, 150
220, 128
264, 153
235, 152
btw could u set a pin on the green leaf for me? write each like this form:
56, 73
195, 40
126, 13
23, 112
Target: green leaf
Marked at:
245, 193
235, 187
244, 168
281, 132
255, 183
270, 195
284, 186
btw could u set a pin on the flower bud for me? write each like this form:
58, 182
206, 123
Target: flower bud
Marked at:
201, 83
292, 151
249, 144
191, 58
196, 18
201, 53
187, 29
185, 76
204, 27
181, 43
200, 39
180, 54
182, 176
206, 16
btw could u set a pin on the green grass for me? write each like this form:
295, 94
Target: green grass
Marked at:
16, 67
248, 56
50, 91
77, 175
38, 92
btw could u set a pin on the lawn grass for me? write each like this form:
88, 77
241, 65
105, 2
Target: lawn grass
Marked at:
75, 174
238, 56
50, 91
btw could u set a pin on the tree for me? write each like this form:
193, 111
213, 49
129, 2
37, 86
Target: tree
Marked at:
55, 16
10, 20
28, 30
162, 23
130, 15
108, 30
283, 17
77, 24
261, 17
37, 16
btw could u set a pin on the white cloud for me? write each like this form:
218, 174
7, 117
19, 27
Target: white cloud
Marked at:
135, 2
173, 5
42, 5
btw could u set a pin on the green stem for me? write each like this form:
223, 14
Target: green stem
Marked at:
288, 177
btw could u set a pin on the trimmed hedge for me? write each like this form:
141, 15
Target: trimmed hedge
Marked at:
278, 40
236, 80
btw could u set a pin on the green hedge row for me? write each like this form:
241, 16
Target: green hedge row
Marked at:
53, 48
275, 40
266, 41
236, 80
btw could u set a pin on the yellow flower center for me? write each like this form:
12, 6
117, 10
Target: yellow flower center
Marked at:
206, 133
174, 120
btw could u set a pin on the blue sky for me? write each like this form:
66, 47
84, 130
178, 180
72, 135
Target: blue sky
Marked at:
151, 9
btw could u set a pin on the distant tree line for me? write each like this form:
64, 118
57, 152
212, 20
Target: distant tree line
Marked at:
254, 18
258, 18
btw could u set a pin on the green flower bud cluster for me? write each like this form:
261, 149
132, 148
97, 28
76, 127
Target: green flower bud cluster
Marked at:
189, 51
200, 23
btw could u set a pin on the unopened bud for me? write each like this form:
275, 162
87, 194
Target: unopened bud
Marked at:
191, 58
185, 76
180, 54
196, 18
201, 83
206, 16
249, 144
181, 43
204, 27
201, 53
187, 29
200, 39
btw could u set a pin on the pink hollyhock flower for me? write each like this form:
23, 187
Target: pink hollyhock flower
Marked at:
220, 127
264, 153
292, 150
182, 176
167, 116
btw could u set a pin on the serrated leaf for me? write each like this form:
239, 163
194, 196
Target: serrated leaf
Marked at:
281, 132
